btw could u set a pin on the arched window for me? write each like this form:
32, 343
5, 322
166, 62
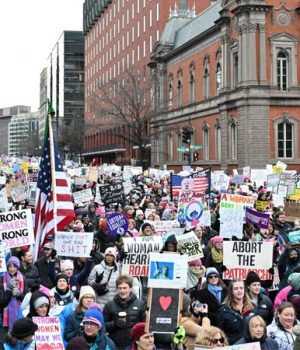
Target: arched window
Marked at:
218, 77
170, 147
233, 137
205, 130
192, 87
285, 131
206, 83
235, 70
282, 70
218, 140
179, 92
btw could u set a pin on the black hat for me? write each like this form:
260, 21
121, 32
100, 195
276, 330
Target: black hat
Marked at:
144, 225
61, 275
251, 278
23, 328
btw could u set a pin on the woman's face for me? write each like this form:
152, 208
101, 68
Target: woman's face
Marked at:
131, 225
219, 245
109, 259
198, 232
90, 329
287, 318
12, 269
87, 300
217, 340
146, 342
62, 284
213, 279
256, 328
238, 291
52, 300
42, 310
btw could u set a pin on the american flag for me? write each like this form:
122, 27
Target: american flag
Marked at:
176, 184
44, 213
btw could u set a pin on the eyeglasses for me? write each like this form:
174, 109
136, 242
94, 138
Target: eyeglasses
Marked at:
216, 340
213, 276
89, 324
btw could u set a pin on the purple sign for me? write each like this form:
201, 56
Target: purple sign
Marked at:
257, 218
117, 224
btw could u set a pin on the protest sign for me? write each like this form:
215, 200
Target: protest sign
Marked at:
282, 190
296, 195
276, 280
167, 270
74, 244
136, 261
232, 213
247, 346
2, 180
189, 244
93, 175
3, 202
161, 227
192, 212
48, 335
31, 195
294, 235
262, 205
80, 181
16, 228
205, 219
83, 196
2, 258
246, 171
242, 256
19, 193
292, 209
238, 179
254, 217
273, 182
277, 200
164, 307
112, 194
258, 177
117, 223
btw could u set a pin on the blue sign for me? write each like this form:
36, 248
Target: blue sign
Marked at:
117, 224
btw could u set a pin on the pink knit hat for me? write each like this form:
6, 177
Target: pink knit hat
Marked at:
216, 239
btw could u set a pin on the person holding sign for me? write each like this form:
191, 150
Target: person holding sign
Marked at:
215, 257
237, 305
256, 331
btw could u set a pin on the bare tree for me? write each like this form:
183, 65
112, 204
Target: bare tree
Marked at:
125, 106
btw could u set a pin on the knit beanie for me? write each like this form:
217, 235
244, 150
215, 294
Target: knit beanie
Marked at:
137, 331
139, 212
15, 261
40, 301
111, 251
61, 275
211, 271
145, 224
94, 315
86, 291
77, 343
294, 280
66, 264
252, 277
195, 262
216, 239
23, 327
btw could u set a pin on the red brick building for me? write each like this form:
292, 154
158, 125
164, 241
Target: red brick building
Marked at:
232, 74
120, 34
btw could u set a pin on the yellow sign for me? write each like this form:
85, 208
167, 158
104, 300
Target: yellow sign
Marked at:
262, 205
277, 169
25, 167
295, 196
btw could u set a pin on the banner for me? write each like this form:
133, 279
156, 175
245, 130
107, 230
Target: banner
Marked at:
3, 202
189, 245
83, 196
273, 182
136, 261
167, 270
48, 335
253, 217
16, 228
240, 257
112, 194
117, 223
249, 346
74, 244
232, 214
162, 227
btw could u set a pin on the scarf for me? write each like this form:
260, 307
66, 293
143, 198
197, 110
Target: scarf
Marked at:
193, 277
10, 313
216, 291
217, 255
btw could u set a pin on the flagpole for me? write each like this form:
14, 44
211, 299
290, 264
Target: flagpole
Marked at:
171, 188
52, 163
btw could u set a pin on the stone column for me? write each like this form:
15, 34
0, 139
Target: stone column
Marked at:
162, 99
225, 62
252, 67
244, 52
262, 53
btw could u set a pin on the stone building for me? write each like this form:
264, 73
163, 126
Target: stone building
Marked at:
232, 75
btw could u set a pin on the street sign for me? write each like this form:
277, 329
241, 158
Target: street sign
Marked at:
196, 146
182, 149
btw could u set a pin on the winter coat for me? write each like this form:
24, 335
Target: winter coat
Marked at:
105, 240
63, 298
102, 342
111, 285
205, 297
136, 312
72, 328
266, 343
284, 339
286, 267
231, 322
30, 273
264, 308
42, 265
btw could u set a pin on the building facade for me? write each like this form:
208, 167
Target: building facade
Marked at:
119, 35
65, 90
231, 75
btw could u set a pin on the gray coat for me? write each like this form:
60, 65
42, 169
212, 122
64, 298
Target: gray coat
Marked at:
111, 286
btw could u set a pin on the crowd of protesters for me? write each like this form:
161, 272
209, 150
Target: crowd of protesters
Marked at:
99, 308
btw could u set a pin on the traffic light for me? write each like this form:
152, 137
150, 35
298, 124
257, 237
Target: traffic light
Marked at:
186, 135
196, 156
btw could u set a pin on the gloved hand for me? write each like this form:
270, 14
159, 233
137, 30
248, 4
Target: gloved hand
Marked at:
99, 277
16, 292
11, 285
179, 335
120, 323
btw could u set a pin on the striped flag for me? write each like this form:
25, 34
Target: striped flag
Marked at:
44, 210
176, 184
201, 182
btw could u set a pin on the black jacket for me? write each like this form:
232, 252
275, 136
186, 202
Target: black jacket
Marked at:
264, 308
31, 274
205, 297
42, 265
136, 312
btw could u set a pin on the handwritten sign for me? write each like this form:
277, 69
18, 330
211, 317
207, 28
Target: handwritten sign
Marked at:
241, 257
136, 261
83, 196
16, 228
112, 194
75, 244
294, 235
48, 335
189, 244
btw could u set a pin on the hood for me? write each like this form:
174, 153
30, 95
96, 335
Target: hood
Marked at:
35, 295
170, 239
246, 333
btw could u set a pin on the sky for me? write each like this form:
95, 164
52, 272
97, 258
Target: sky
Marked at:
29, 30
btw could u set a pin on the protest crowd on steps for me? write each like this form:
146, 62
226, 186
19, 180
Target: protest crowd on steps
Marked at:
150, 259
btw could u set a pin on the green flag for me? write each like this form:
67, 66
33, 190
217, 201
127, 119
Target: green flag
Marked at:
50, 109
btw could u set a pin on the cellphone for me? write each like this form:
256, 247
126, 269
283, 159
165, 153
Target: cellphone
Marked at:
197, 304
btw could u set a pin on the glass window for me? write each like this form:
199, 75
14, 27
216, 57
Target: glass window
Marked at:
206, 84
235, 70
179, 92
282, 71
233, 133
192, 87
285, 140
218, 77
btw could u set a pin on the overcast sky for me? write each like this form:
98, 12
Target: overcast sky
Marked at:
29, 30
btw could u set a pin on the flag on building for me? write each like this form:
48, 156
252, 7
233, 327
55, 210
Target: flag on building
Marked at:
44, 210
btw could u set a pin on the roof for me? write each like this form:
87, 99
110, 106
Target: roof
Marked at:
171, 27
198, 25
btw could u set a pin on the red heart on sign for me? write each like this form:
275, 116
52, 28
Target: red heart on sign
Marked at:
165, 302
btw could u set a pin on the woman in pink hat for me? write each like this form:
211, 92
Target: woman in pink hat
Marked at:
215, 256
